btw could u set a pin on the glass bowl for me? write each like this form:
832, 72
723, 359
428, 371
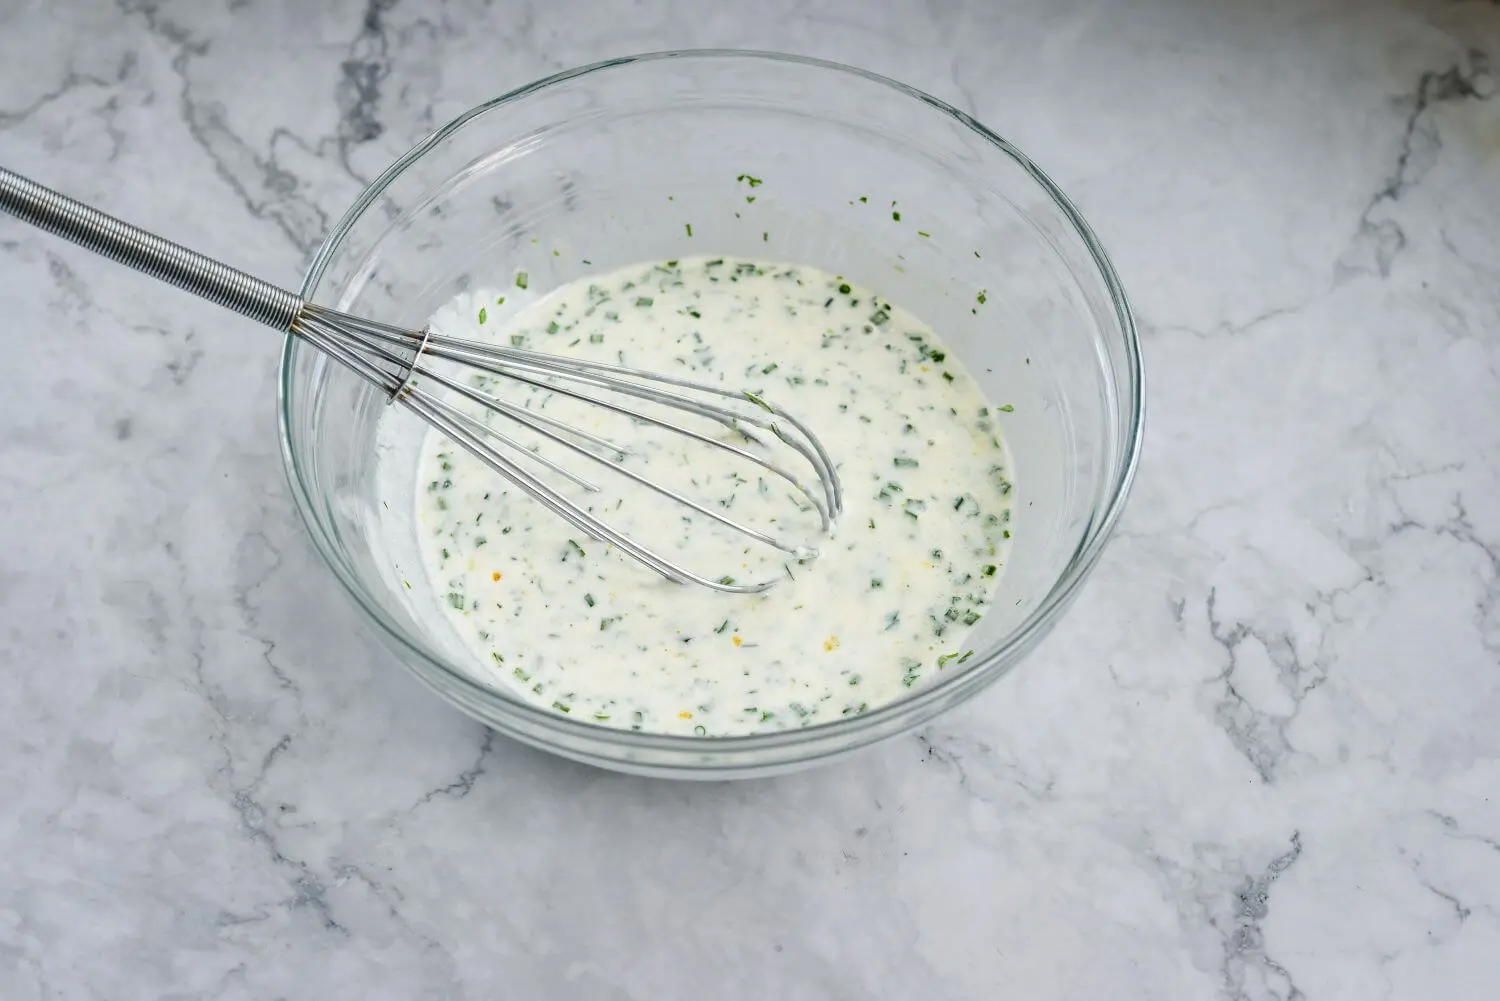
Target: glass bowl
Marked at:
640, 158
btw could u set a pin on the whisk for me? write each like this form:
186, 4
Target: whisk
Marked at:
391, 357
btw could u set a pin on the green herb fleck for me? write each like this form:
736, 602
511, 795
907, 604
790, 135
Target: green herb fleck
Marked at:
1007, 409
522, 279
484, 314
588, 599
689, 228
757, 401
989, 570
904, 463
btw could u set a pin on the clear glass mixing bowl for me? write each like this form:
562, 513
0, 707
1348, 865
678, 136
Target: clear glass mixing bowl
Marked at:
639, 158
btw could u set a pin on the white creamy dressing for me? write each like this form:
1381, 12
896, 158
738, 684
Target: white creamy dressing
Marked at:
887, 606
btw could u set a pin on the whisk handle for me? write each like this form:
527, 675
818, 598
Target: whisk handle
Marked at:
146, 252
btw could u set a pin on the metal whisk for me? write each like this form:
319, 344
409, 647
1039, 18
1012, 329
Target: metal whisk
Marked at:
390, 357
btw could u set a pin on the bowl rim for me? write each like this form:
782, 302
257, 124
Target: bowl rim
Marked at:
882, 718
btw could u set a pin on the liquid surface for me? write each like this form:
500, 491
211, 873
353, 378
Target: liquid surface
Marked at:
886, 607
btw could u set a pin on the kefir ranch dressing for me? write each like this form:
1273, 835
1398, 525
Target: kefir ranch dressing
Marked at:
887, 606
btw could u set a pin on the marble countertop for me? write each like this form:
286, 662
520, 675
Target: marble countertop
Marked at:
1260, 759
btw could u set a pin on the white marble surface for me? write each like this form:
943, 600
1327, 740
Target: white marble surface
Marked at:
1260, 760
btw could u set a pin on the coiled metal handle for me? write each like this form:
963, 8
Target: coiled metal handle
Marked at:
147, 252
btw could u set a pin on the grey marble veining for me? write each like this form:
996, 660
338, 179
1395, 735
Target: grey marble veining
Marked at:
1260, 760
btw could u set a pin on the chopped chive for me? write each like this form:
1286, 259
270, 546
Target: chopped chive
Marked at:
1007, 409
484, 314
588, 599
689, 228
644, 300
989, 570
904, 463
896, 216
522, 279
596, 338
